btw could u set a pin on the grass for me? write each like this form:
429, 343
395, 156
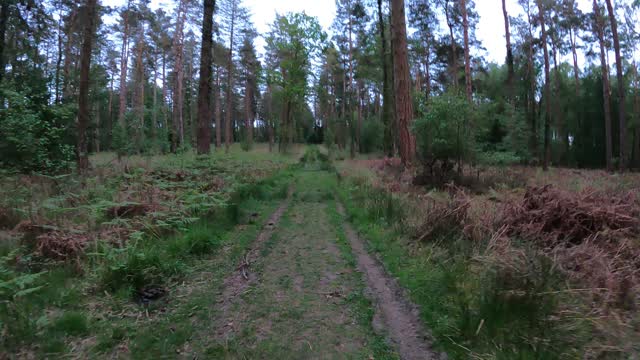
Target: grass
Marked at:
474, 308
202, 202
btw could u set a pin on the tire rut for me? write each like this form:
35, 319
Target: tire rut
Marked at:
241, 279
400, 317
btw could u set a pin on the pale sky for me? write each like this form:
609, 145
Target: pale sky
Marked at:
490, 30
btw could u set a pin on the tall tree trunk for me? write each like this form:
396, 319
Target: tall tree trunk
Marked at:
204, 89
154, 119
404, 104
622, 111
248, 111
507, 35
467, 57
4, 15
427, 70
547, 90
140, 88
606, 87
110, 113
97, 137
531, 76
560, 119
218, 110
454, 55
58, 61
165, 125
228, 134
386, 86
177, 133
576, 68
67, 82
636, 116
83, 97
124, 58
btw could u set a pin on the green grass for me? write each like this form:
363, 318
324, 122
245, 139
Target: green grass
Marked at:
44, 304
474, 309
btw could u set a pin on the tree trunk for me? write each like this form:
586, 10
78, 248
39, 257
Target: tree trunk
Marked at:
177, 133
606, 87
467, 58
621, 88
560, 119
248, 111
83, 97
547, 91
154, 120
165, 124
507, 35
531, 76
636, 116
124, 58
58, 61
228, 134
218, 110
110, 114
204, 89
140, 88
454, 57
386, 86
67, 92
4, 15
404, 104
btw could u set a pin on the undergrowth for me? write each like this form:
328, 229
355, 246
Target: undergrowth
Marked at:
47, 304
475, 306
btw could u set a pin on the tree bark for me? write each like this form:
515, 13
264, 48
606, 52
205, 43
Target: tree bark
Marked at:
386, 86
228, 134
67, 91
606, 87
507, 35
248, 111
204, 89
218, 102
547, 90
467, 57
83, 97
4, 15
177, 133
124, 58
404, 104
140, 87
622, 111
454, 56
636, 115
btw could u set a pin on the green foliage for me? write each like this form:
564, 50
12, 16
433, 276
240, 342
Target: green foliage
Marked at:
443, 133
71, 323
371, 136
33, 137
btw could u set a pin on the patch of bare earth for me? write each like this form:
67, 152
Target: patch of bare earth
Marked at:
395, 315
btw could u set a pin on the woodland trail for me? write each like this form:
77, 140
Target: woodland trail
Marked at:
308, 289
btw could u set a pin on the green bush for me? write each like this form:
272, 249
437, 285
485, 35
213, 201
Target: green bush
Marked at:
35, 138
372, 136
443, 133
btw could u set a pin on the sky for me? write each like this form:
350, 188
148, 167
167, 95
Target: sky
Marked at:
490, 29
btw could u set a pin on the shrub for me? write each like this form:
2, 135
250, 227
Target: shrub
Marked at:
443, 133
35, 138
371, 136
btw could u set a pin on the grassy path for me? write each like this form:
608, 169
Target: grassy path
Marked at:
305, 299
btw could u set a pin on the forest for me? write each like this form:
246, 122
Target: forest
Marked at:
175, 182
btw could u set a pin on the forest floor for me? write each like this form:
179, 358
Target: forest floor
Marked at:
288, 279
257, 255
